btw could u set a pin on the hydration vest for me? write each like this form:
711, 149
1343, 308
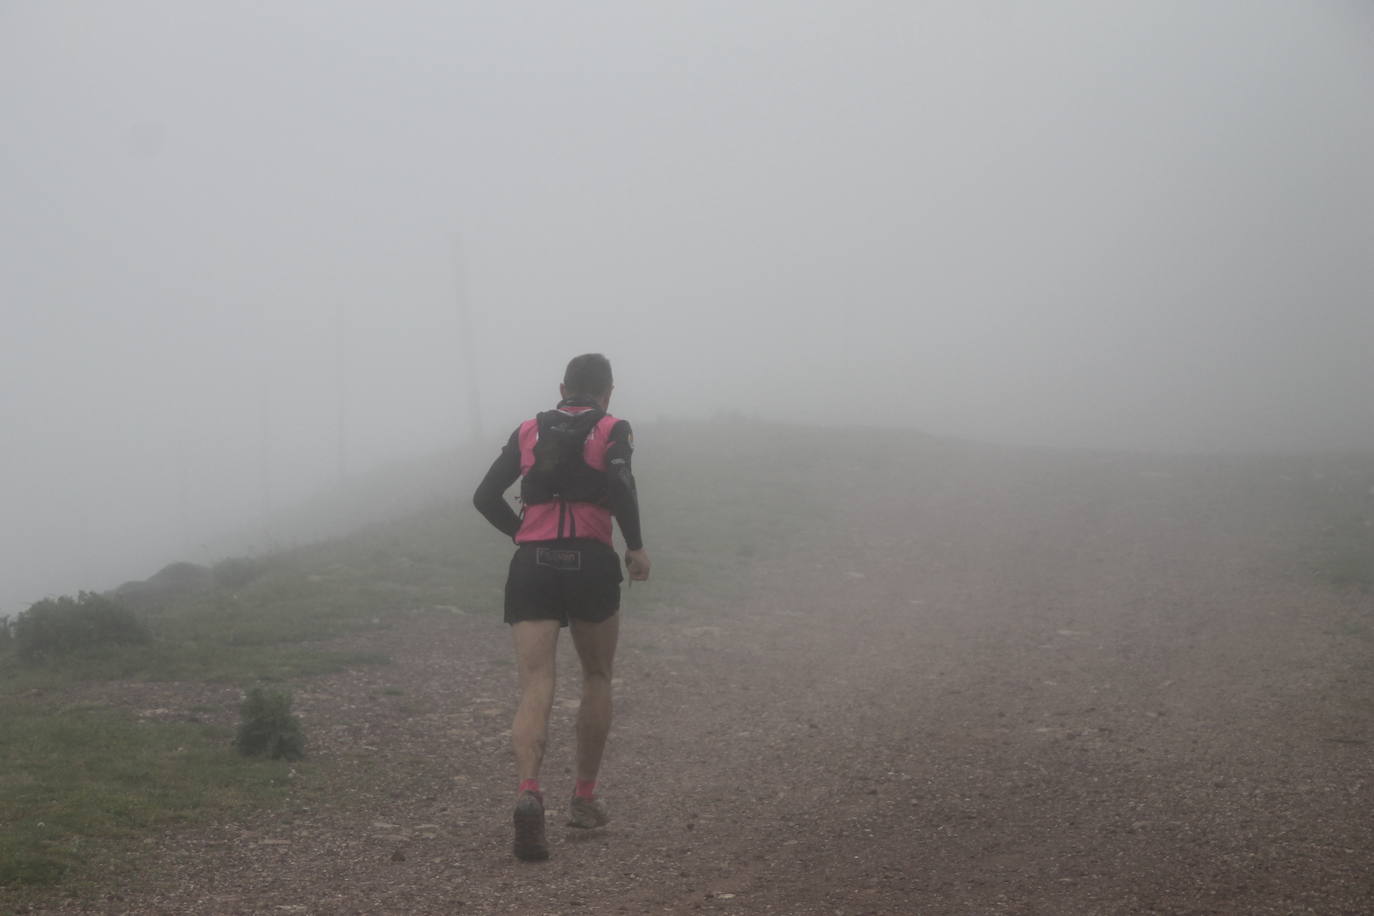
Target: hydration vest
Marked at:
564, 488
560, 470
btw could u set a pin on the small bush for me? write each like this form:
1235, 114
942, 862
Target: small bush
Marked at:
236, 572
56, 627
267, 727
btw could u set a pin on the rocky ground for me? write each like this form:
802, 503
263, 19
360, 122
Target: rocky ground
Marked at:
1083, 688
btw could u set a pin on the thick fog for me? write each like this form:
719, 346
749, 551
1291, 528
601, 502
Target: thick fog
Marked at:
249, 250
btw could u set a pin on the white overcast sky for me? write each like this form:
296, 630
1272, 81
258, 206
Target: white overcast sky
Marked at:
1139, 224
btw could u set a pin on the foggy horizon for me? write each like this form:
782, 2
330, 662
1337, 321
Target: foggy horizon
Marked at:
235, 246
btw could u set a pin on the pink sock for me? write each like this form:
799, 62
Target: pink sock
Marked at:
530, 785
586, 788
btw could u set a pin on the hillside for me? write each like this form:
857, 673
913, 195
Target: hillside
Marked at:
874, 672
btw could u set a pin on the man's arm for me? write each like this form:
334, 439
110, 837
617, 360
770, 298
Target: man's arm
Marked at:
625, 500
490, 497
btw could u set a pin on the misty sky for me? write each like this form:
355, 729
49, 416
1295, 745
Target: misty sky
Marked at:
1143, 225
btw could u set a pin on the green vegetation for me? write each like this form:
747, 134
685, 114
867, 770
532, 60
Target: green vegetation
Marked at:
269, 618
54, 628
236, 572
267, 728
79, 783
77, 780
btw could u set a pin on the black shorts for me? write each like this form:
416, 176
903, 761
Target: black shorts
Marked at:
558, 580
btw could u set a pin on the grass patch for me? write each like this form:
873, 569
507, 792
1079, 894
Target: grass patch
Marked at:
78, 781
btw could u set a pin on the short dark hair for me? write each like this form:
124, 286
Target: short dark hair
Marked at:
588, 375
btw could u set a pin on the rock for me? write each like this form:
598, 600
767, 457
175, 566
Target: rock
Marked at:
173, 581
182, 577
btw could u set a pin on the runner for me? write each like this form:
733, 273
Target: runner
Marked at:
573, 464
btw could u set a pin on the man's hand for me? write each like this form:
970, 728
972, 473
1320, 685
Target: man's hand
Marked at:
637, 562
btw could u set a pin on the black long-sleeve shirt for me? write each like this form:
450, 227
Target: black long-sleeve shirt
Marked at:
490, 497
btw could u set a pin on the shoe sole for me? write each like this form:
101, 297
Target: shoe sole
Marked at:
530, 842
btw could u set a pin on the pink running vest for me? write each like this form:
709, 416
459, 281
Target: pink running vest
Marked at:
552, 520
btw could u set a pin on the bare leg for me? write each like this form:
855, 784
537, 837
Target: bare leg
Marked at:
595, 644
536, 642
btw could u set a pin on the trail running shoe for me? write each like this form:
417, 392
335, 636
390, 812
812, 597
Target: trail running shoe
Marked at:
587, 813
530, 842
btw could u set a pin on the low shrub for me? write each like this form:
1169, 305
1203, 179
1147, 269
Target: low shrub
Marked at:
59, 626
267, 728
236, 572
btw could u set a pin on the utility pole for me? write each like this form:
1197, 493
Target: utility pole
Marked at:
264, 365
265, 461
341, 387
468, 342
183, 493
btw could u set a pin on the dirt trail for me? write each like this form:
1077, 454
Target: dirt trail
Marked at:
1026, 697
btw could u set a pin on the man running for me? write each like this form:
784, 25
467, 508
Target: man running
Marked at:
573, 464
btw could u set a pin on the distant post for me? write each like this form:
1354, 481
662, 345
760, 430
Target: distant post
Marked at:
265, 460
341, 386
264, 427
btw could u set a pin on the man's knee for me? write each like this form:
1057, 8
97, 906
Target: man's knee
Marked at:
596, 674
597, 661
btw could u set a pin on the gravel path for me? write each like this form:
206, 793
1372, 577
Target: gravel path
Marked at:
1080, 689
